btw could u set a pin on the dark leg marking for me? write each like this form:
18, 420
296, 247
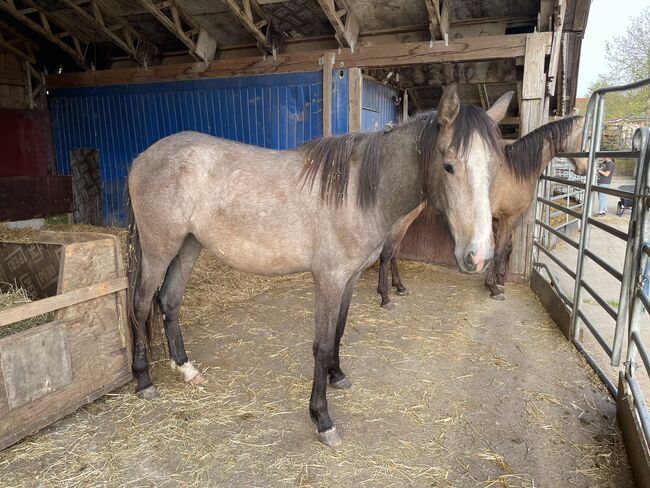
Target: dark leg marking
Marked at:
170, 298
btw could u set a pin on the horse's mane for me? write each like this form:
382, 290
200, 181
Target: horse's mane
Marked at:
524, 157
331, 156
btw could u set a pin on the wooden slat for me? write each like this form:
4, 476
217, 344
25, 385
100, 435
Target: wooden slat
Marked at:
355, 97
466, 49
328, 65
57, 302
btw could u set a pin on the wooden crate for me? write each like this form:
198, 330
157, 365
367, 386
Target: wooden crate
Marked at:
52, 369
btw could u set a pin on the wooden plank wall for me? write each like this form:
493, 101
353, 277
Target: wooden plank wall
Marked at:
12, 82
534, 112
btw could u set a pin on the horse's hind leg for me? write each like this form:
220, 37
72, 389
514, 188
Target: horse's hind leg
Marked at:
151, 274
170, 298
382, 287
397, 281
338, 379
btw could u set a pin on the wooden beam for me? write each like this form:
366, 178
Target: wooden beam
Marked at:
344, 21
40, 21
545, 15
467, 49
114, 27
328, 66
170, 15
64, 300
531, 110
355, 93
483, 96
438, 11
244, 14
556, 45
405, 106
16, 43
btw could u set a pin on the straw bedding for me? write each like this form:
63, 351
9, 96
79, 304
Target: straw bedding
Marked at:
450, 389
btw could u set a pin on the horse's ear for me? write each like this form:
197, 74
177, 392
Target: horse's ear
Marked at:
449, 105
499, 109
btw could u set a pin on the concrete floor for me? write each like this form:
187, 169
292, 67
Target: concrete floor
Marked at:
450, 389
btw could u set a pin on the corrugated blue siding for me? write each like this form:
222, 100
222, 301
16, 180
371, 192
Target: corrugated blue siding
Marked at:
378, 105
275, 111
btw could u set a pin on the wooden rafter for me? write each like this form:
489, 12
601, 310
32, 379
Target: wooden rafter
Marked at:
40, 21
115, 28
15, 43
254, 19
200, 43
344, 21
467, 49
34, 87
556, 45
438, 11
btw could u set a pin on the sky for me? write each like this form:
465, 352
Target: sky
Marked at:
607, 18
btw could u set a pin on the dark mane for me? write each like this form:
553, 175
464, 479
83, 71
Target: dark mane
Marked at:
524, 156
328, 158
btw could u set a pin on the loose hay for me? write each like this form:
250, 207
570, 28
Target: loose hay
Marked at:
451, 389
11, 297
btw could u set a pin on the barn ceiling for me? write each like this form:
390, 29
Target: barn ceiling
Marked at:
104, 34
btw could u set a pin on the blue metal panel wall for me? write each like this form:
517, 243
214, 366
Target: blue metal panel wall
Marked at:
378, 105
275, 111
340, 101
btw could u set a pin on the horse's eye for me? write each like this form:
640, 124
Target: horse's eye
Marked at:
448, 168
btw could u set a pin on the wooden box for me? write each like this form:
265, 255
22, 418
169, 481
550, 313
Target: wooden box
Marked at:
52, 369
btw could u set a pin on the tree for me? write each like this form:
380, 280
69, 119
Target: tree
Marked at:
628, 57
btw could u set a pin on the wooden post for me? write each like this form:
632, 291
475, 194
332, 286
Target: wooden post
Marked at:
328, 65
355, 94
533, 105
405, 106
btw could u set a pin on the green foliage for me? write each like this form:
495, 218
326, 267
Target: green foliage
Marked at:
628, 58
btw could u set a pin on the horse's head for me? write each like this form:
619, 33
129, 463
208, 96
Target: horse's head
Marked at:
461, 165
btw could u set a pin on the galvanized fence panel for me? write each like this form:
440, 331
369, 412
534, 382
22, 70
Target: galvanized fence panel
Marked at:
627, 339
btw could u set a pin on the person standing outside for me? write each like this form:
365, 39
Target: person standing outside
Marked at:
605, 173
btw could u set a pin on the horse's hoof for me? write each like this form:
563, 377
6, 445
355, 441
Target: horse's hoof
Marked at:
330, 437
342, 384
498, 296
197, 380
388, 306
403, 292
150, 393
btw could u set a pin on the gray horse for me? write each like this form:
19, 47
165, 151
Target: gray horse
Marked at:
326, 208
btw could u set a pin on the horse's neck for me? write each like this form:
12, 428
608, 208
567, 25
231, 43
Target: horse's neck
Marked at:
572, 143
401, 187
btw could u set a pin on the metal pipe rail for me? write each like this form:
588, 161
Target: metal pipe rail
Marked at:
633, 303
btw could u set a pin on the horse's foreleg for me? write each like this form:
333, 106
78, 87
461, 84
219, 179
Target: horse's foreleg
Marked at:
338, 379
170, 298
502, 270
382, 287
501, 256
397, 281
329, 295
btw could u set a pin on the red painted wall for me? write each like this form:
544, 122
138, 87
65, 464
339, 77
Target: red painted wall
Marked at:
26, 145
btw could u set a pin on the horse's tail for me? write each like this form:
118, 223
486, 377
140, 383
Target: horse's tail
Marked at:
134, 272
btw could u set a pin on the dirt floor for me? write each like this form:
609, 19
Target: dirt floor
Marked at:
450, 389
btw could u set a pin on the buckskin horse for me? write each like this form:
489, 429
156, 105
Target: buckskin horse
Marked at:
327, 208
